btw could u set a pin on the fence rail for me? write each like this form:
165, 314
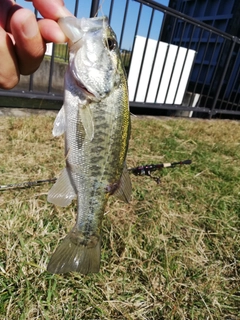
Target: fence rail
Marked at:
213, 78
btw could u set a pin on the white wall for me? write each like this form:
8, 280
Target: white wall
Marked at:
171, 69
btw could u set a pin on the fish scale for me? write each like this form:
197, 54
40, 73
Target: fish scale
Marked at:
96, 122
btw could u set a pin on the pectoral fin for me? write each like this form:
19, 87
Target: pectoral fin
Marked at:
62, 192
87, 121
59, 123
124, 189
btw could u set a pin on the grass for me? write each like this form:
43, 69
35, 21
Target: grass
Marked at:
172, 253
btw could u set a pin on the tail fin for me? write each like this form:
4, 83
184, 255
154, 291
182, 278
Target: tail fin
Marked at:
76, 256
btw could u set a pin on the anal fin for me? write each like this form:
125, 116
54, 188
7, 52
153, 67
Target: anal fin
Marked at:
62, 192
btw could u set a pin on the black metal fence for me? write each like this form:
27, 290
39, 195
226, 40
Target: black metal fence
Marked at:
203, 74
215, 74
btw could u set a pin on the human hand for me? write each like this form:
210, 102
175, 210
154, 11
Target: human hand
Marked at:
23, 39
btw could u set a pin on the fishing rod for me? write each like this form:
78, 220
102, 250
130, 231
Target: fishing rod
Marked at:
144, 170
27, 184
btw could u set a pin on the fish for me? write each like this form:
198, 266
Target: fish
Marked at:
95, 121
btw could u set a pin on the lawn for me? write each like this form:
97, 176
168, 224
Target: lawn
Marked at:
172, 253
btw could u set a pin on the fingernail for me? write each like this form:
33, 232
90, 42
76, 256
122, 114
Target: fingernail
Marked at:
63, 12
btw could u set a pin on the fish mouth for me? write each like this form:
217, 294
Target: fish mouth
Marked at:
83, 87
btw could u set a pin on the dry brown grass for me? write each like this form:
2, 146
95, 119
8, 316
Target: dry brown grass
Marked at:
173, 253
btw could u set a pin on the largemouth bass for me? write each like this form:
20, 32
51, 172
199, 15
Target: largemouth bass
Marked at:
96, 122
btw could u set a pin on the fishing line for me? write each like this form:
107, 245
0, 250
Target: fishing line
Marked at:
100, 8
144, 170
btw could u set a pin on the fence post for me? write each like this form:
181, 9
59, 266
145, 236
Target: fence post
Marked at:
212, 112
94, 8
51, 69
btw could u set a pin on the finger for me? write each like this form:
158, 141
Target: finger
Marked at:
5, 6
51, 31
53, 9
29, 45
9, 73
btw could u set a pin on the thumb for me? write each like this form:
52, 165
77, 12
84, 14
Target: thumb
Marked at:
29, 45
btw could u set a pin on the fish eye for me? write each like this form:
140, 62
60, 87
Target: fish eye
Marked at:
111, 43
